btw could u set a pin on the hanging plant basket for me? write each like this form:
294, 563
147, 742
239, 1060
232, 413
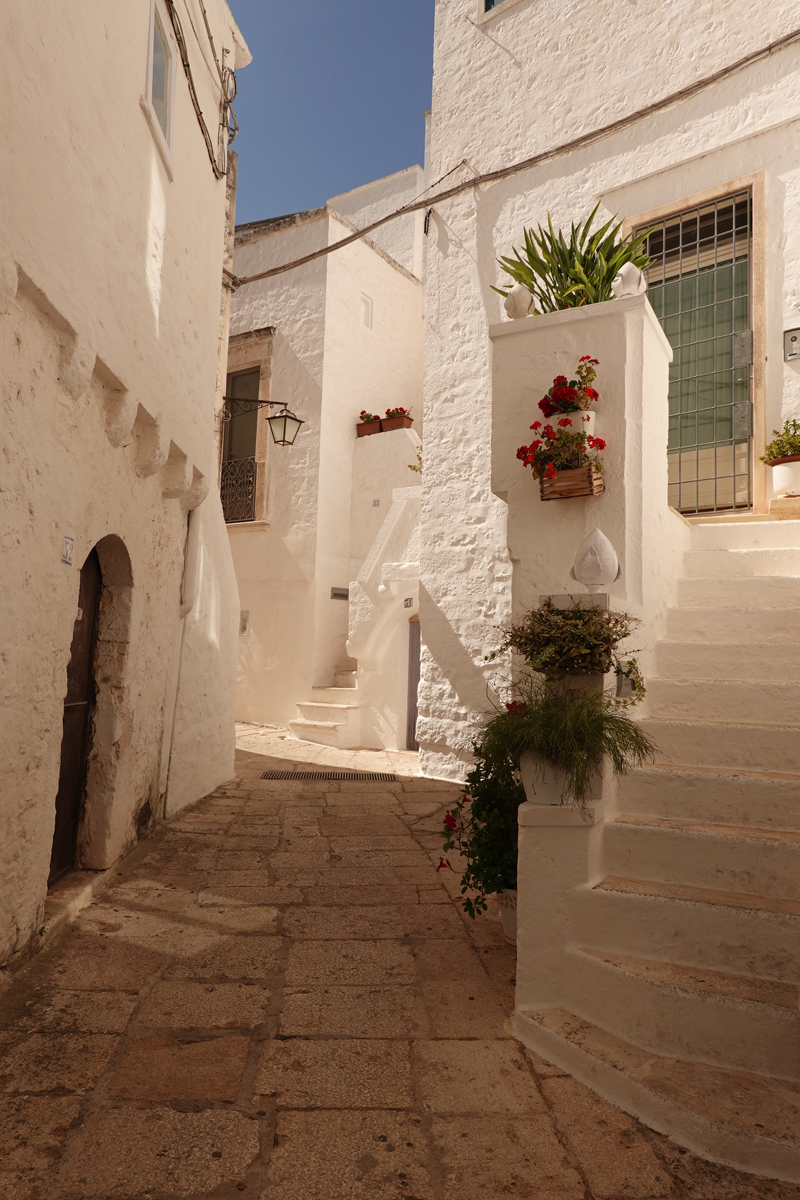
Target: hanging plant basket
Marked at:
580, 481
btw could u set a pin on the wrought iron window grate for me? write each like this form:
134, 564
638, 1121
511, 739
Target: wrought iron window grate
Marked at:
373, 776
699, 287
238, 489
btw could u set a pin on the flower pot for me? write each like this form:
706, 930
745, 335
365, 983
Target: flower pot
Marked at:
580, 481
548, 789
508, 914
396, 423
365, 428
583, 420
786, 475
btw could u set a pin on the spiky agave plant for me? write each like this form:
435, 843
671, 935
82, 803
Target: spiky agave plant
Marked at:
566, 728
568, 274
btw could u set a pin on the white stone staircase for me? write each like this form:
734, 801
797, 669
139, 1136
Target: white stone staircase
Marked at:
331, 718
680, 987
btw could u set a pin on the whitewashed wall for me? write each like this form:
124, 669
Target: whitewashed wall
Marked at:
110, 280
491, 74
402, 239
328, 366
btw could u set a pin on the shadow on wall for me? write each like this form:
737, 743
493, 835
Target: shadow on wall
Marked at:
465, 678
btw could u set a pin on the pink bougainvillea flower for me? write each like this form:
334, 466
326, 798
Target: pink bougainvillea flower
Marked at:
450, 821
444, 862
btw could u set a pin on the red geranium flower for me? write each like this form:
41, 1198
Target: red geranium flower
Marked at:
550, 472
564, 422
536, 425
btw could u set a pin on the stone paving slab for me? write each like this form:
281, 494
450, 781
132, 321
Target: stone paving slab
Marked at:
278, 997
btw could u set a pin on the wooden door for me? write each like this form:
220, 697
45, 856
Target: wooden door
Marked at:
78, 705
413, 683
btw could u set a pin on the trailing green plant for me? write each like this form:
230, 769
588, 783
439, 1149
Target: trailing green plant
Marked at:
482, 827
576, 640
568, 729
561, 273
417, 466
785, 443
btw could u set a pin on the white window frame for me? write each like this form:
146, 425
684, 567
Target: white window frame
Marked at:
158, 12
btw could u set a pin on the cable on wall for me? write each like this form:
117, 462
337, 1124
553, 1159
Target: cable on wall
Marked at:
228, 125
526, 164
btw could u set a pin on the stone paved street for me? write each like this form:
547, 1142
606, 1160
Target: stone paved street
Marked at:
276, 997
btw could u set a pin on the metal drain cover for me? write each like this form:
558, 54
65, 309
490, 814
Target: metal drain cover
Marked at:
373, 776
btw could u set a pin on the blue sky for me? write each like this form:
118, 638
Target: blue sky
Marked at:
334, 97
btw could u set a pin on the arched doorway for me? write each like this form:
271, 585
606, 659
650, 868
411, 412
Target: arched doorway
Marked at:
78, 704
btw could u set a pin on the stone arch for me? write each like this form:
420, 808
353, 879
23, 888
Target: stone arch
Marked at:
98, 836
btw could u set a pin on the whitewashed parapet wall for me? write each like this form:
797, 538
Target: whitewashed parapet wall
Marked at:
111, 257
510, 84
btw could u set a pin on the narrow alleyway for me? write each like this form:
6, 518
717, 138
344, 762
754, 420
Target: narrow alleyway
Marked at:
277, 997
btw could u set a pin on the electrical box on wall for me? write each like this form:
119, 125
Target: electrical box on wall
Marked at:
791, 344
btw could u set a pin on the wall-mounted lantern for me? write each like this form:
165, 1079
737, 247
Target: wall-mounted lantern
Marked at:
284, 426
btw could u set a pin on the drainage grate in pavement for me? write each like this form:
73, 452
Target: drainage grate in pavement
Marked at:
375, 776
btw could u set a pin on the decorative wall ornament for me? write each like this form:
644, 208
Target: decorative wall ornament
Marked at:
596, 563
629, 281
519, 302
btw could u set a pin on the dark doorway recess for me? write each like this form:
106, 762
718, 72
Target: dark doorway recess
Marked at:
413, 683
78, 704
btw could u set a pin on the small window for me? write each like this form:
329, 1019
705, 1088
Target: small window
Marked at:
160, 72
366, 310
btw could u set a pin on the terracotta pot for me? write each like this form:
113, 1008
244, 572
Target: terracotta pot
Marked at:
396, 423
786, 475
365, 428
508, 914
580, 481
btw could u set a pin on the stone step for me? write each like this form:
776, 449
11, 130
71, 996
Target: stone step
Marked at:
728, 660
345, 679
324, 733
749, 535
762, 862
741, 563
733, 624
722, 744
728, 931
333, 695
312, 710
730, 1020
742, 1119
777, 591
725, 700
721, 795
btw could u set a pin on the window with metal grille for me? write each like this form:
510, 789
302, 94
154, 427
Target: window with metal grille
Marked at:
239, 467
699, 287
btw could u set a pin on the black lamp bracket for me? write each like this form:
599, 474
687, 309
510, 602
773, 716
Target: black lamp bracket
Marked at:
236, 408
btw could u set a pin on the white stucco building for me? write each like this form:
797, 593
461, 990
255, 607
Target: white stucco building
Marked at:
117, 592
312, 524
658, 939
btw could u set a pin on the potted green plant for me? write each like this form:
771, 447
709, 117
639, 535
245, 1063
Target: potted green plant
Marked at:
367, 424
397, 418
561, 273
560, 736
783, 455
580, 639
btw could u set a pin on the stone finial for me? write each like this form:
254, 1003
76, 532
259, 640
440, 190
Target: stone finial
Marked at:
596, 563
518, 302
629, 281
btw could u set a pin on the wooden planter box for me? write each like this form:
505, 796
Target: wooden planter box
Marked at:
365, 428
396, 423
581, 481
